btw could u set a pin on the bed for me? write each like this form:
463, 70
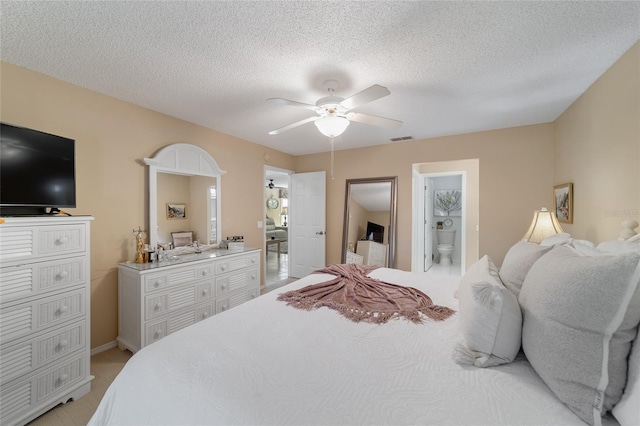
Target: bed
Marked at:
265, 362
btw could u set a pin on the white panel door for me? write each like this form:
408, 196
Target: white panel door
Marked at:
307, 241
428, 223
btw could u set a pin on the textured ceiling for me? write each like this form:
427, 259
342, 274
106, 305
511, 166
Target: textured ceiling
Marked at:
451, 67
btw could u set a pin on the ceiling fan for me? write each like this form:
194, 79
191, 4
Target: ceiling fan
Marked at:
335, 113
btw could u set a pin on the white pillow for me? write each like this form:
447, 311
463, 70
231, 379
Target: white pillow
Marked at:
580, 315
627, 412
490, 318
619, 247
517, 263
556, 239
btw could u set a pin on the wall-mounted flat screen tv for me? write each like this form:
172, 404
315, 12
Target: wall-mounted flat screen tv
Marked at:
37, 171
376, 230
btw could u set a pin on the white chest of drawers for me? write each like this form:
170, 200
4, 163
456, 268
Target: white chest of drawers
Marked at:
44, 314
373, 253
156, 300
354, 258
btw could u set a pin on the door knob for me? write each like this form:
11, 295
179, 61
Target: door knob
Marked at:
320, 233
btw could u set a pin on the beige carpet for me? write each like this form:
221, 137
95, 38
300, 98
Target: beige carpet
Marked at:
105, 367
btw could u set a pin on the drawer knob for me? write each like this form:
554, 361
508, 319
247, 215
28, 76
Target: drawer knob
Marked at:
204, 273
63, 309
253, 261
205, 315
253, 276
64, 378
64, 344
223, 286
158, 306
157, 335
62, 240
205, 292
157, 283
223, 267
63, 274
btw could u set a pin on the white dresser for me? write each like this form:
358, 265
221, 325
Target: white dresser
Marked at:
354, 258
44, 314
157, 299
373, 253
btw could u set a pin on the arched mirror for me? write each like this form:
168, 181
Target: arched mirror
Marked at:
184, 195
369, 232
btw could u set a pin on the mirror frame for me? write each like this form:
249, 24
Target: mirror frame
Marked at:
186, 160
391, 260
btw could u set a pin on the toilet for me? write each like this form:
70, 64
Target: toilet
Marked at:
446, 238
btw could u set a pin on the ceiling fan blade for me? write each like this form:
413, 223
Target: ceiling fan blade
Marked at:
374, 120
292, 103
291, 126
367, 95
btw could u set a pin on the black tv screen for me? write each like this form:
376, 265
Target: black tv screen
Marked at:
37, 171
376, 230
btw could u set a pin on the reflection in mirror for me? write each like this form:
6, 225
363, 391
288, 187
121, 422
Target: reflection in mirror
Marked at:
195, 194
369, 229
184, 194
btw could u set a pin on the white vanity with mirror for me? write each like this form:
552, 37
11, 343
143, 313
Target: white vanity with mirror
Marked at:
190, 283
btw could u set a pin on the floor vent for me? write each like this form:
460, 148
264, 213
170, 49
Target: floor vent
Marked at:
402, 138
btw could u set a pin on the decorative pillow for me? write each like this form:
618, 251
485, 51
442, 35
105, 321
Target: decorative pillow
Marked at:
619, 247
627, 411
517, 263
556, 239
490, 318
580, 315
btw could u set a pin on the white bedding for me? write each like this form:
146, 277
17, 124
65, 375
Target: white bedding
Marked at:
267, 363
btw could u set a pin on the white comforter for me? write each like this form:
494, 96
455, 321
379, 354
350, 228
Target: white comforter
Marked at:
267, 363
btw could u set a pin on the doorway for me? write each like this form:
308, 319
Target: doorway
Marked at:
276, 226
445, 211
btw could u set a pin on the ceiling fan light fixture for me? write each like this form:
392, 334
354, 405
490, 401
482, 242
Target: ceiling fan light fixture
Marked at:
332, 126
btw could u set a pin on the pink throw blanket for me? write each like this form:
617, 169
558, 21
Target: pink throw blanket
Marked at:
359, 297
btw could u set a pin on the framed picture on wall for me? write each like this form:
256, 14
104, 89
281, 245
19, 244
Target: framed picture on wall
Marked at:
563, 202
176, 211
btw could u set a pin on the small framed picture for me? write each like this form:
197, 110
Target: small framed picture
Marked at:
563, 202
181, 239
176, 211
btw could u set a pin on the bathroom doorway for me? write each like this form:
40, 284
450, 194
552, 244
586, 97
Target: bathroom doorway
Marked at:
445, 212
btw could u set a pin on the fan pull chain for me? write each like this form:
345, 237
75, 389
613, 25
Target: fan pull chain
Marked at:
331, 158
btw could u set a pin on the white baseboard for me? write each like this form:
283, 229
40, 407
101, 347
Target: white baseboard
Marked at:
104, 347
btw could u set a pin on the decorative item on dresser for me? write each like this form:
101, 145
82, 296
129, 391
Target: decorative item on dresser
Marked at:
44, 312
157, 299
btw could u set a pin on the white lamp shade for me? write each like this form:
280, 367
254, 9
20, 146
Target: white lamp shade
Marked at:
284, 211
543, 225
331, 125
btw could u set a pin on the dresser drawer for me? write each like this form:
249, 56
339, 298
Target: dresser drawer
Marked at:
238, 298
23, 243
159, 281
23, 357
176, 297
158, 329
17, 398
22, 319
236, 280
25, 280
235, 263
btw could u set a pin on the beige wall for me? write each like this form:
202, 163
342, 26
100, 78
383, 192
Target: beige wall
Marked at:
111, 138
598, 149
516, 176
